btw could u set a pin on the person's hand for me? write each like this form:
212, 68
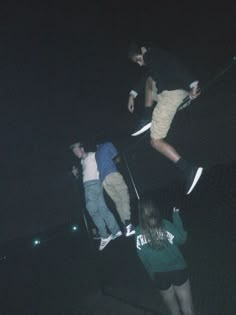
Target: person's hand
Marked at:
116, 159
131, 104
175, 209
194, 92
75, 171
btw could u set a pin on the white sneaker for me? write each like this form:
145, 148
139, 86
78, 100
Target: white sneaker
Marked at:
129, 230
105, 241
193, 178
118, 234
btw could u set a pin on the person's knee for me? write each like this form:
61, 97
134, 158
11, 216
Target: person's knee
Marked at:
92, 208
168, 293
184, 296
187, 310
149, 83
170, 300
156, 143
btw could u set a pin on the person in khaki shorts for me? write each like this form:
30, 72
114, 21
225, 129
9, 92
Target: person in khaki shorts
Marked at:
167, 84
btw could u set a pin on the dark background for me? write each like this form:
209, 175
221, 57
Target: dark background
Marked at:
65, 76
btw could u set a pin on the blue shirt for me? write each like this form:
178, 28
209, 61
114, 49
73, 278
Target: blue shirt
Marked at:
104, 158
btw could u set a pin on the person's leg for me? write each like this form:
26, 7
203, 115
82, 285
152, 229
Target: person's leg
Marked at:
150, 97
117, 189
162, 118
149, 92
184, 296
165, 149
170, 300
91, 198
191, 173
163, 114
105, 213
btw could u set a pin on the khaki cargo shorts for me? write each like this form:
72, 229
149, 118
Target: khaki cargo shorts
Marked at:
165, 110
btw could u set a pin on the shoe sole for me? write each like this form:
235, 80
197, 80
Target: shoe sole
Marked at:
129, 234
106, 244
116, 236
143, 129
196, 178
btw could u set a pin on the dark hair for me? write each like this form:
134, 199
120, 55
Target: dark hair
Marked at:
77, 144
88, 145
134, 49
151, 222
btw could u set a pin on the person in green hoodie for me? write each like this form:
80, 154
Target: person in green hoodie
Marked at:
157, 244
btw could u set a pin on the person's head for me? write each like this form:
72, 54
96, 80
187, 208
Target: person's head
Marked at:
150, 220
149, 211
78, 150
136, 53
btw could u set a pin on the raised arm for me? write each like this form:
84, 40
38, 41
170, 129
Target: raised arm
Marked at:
177, 228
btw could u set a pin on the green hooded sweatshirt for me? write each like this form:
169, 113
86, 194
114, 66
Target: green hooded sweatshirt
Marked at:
168, 258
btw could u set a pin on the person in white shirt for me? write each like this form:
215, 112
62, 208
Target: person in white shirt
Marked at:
95, 203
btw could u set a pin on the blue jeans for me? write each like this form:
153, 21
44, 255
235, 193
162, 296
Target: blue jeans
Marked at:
98, 210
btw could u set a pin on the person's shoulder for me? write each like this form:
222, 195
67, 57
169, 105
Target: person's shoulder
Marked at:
105, 145
156, 54
109, 143
166, 223
162, 52
110, 147
91, 155
137, 229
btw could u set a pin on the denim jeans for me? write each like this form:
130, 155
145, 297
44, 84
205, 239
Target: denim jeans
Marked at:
98, 210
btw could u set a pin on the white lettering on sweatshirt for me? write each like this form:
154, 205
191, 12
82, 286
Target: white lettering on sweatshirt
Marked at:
141, 239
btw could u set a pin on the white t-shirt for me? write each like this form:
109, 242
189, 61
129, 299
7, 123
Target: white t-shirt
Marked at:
89, 166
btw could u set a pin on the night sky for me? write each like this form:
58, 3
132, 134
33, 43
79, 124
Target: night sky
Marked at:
65, 76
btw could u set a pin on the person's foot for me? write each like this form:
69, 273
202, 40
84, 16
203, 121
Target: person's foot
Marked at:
129, 230
96, 237
144, 123
193, 178
118, 234
142, 126
104, 242
95, 234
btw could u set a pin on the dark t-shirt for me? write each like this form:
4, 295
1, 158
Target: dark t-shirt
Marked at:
166, 70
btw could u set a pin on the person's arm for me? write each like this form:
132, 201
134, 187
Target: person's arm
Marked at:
114, 153
190, 83
135, 91
145, 263
142, 251
177, 228
194, 90
75, 171
131, 101
117, 159
113, 150
148, 92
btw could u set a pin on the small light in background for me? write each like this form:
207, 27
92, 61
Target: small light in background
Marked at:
36, 242
74, 228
